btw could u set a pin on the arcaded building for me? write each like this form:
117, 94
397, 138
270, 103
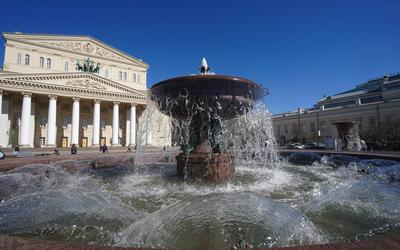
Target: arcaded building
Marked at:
45, 101
374, 106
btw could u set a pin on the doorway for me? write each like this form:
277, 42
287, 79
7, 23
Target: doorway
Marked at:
84, 143
64, 142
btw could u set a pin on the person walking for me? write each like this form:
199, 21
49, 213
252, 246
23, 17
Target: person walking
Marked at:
74, 149
104, 148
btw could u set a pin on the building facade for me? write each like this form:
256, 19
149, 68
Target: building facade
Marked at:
46, 102
374, 106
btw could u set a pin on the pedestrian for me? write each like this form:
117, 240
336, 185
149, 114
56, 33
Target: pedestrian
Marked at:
16, 151
74, 149
56, 151
105, 149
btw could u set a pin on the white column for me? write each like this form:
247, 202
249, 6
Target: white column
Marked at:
75, 122
133, 125
1, 101
115, 124
128, 127
96, 123
51, 122
25, 120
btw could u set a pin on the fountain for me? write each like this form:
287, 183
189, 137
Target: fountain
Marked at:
272, 201
206, 101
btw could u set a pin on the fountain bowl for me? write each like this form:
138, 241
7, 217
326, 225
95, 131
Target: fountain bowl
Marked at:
229, 95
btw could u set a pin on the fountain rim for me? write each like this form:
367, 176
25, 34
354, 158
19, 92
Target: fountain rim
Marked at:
208, 76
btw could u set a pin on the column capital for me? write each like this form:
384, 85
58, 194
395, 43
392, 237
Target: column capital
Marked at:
26, 93
97, 101
1, 91
53, 97
76, 99
133, 104
116, 103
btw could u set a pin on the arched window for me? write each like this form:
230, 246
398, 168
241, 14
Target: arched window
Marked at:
19, 58
134, 77
120, 75
41, 63
27, 57
66, 66
125, 76
48, 65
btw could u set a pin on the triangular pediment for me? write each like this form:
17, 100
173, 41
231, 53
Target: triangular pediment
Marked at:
80, 80
84, 45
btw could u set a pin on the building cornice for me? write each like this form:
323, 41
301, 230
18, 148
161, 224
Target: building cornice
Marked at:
70, 76
25, 83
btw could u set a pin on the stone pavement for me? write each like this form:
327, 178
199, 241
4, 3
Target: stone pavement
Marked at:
84, 155
19, 243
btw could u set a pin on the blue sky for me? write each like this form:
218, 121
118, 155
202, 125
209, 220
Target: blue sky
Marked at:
300, 50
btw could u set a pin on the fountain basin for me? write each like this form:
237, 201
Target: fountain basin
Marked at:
228, 96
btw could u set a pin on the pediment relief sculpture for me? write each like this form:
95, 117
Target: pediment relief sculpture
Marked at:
86, 84
85, 47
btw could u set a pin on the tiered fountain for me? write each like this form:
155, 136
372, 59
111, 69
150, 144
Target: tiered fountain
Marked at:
205, 101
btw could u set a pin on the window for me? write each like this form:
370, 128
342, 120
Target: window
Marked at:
134, 77
42, 141
286, 129
120, 75
19, 58
103, 124
43, 121
106, 73
312, 127
27, 57
65, 122
372, 122
41, 63
294, 128
279, 130
388, 120
360, 125
85, 123
138, 78
125, 76
66, 66
48, 65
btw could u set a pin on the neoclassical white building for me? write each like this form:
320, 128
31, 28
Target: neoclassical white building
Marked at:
46, 102
374, 107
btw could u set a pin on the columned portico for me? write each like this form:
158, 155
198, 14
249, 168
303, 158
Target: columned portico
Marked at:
75, 121
115, 124
96, 123
132, 139
25, 119
51, 124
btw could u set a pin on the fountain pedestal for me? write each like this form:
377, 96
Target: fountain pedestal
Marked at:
202, 163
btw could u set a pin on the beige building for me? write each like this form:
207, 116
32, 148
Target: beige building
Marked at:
46, 102
374, 106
